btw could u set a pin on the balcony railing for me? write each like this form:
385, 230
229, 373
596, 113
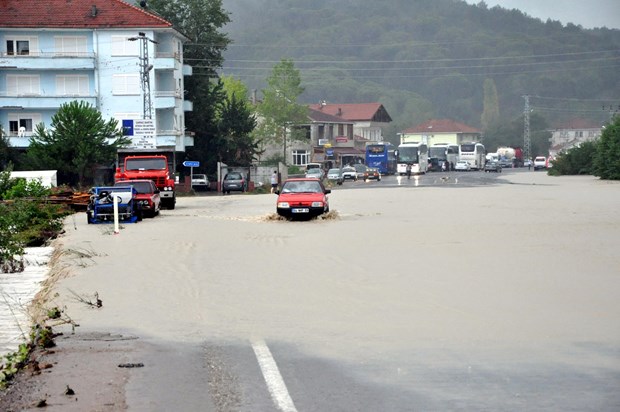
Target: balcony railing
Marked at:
48, 54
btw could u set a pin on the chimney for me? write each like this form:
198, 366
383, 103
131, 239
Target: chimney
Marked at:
93, 11
254, 96
339, 112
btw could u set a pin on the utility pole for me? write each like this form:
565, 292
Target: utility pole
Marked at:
145, 68
526, 128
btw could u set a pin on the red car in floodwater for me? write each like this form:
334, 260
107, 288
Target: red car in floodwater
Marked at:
147, 195
302, 198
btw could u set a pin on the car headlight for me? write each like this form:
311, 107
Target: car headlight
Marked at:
317, 204
283, 205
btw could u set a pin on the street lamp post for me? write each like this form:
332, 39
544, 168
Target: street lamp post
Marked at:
145, 68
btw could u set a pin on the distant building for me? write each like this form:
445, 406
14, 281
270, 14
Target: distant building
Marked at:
440, 131
572, 134
56, 51
368, 119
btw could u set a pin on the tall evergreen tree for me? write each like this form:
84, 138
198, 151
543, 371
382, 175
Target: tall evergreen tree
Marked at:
490, 109
201, 21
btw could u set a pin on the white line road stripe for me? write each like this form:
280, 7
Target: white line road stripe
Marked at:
272, 376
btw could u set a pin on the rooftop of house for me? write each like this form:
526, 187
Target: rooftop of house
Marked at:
76, 14
319, 116
440, 126
354, 111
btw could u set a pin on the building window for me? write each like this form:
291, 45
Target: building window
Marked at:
300, 157
123, 47
18, 46
126, 84
23, 124
20, 85
70, 45
76, 85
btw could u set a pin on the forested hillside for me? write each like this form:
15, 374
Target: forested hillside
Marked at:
428, 58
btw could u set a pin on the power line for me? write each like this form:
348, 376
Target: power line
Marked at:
573, 99
309, 72
383, 69
415, 61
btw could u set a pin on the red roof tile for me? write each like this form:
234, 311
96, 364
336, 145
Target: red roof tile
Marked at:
318, 116
76, 14
441, 126
351, 111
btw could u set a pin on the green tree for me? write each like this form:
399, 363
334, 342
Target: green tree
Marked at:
280, 113
234, 88
607, 157
575, 161
78, 141
490, 108
235, 127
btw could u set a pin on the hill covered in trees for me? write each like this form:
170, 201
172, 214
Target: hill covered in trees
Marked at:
428, 58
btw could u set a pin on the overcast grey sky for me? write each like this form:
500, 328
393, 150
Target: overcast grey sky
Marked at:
587, 13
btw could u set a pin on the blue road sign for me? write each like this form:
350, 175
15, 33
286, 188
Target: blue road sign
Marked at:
191, 163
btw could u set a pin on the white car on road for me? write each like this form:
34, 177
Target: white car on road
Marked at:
540, 162
462, 165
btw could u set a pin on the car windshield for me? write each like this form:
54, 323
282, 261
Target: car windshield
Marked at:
233, 176
200, 177
348, 169
141, 187
334, 171
303, 186
314, 171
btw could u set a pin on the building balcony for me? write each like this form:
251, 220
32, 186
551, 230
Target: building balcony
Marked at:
48, 61
20, 142
166, 99
174, 138
38, 101
165, 61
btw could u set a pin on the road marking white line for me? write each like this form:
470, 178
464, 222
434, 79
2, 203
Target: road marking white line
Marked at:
272, 376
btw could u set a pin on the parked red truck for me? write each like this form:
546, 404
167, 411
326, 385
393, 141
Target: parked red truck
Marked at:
155, 165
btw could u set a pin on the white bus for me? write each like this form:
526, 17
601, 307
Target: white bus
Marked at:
474, 154
415, 154
445, 152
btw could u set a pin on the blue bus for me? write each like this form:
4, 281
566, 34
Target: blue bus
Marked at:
381, 156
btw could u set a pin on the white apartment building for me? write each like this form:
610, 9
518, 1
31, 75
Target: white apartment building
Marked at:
102, 52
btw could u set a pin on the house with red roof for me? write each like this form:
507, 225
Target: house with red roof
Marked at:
440, 131
332, 140
119, 58
368, 119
